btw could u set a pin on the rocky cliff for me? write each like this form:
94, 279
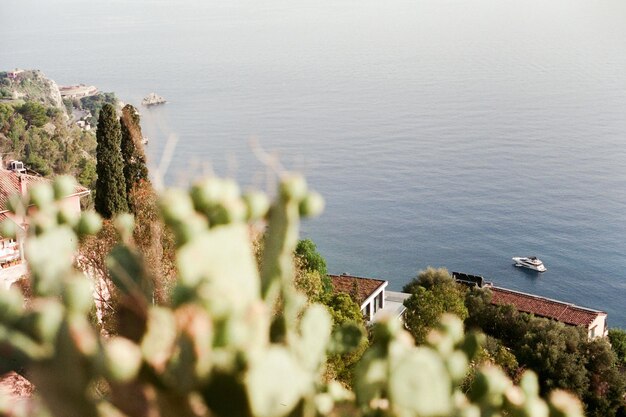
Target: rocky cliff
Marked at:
32, 85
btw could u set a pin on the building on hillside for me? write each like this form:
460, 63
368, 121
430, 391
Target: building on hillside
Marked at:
594, 321
78, 91
15, 74
14, 180
83, 125
371, 295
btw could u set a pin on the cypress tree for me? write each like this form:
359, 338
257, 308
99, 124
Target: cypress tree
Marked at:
110, 186
135, 169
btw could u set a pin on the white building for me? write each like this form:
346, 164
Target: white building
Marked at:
371, 295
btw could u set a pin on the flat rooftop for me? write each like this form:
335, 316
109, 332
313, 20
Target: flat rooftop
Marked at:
394, 306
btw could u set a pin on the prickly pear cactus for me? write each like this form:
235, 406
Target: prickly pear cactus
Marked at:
235, 341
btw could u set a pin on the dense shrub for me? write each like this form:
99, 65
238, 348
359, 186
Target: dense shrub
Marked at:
433, 293
561, 355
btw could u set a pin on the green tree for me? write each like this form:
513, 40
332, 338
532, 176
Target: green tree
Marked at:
433, 293
501, 356
425, 307
34, 113
312, 279
309, 283
493, 352
428, 278
16, 131
617, 337
135, 169
503, 322
87, 173
312, 260
552, 349
344, 311
110, 185
606, 395
67, 103
55, 149
53, 112
561, 355
95, 103
6, 113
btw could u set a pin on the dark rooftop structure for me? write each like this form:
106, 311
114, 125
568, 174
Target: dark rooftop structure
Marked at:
470, 280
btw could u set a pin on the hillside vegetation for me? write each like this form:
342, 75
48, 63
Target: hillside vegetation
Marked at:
41, 137
233, 339
38, 127
32, 85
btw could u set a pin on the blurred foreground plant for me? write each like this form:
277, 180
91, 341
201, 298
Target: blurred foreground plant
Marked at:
235, 341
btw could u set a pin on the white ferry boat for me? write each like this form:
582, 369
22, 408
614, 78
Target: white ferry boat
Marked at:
531, 262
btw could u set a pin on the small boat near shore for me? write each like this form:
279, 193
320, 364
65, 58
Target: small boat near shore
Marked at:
530, 262
153, 99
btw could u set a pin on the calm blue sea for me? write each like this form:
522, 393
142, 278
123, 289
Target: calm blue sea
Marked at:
449, 133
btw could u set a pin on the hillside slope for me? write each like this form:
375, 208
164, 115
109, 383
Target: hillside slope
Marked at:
30, 85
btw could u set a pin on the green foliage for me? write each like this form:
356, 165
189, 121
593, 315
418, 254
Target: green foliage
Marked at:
53, 112
433, 293
87, 173
492, 353
553, 350
346, 315
38, 164
312, 279
94, 104
502, 356
607, 382
110, 186
220, 349
33, 86
617, 337
67, 103
309, 283
40, 151
135, 169
16, 133
6, 114
562, 356
5, 90
34, 113
53, 149
343, 309
428, 279
312, 260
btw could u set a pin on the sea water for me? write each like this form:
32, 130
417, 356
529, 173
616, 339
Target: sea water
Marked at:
448, 133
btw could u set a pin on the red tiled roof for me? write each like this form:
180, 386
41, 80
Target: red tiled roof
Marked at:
545, 307
365, 286
10, 184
